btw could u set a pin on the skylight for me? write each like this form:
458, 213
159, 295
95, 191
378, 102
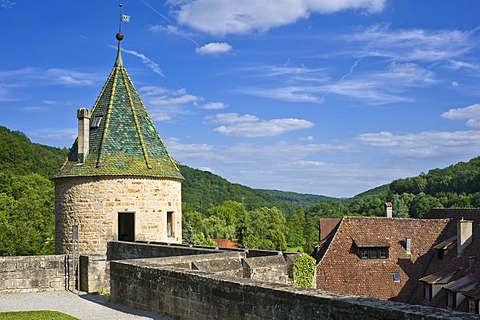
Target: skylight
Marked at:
96, 122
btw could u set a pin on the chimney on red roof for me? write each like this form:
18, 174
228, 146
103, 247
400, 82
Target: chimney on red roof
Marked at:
464, 234
388, 209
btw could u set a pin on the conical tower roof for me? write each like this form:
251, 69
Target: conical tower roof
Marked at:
123, 140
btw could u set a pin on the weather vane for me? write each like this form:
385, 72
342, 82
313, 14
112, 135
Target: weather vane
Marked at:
119, 36
123, 18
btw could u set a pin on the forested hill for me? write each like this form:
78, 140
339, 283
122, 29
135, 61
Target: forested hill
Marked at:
21, 156
26, 194
298, 199
457, 186
202, 190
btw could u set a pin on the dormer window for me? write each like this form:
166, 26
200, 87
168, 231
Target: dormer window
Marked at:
444, 246
96, 122
371, 249
434, 282
373, 253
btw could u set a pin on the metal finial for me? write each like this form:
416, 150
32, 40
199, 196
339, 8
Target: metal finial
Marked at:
121, 19
119, 36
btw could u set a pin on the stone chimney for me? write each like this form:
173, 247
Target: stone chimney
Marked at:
388, 210
464, 234
83, 115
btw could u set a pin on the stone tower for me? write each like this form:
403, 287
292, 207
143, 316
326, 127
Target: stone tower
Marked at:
119, 181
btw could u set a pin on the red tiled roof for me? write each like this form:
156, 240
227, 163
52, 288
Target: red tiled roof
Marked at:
226, 243
340, 269
326, 226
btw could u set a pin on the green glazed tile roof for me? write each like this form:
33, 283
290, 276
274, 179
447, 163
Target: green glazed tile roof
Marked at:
126, 142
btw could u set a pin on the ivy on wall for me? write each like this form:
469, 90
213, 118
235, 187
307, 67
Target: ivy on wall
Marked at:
303, 271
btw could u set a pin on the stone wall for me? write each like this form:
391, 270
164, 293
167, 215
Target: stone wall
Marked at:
119, 250
190, 294
95, 202
268, 269
94, 274
34, 273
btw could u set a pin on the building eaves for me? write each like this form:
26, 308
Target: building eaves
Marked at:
461, 284
441, 277
446, 244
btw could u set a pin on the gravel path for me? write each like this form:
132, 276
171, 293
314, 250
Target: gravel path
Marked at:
83, 306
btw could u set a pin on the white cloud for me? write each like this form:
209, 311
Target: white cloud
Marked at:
165, 104
170, 29
410, 74
425, 144
237, 17
146, 61
207, 169
414, 44
213, 106
380, 139
7, 4
54, 134
251, 126
214, 48
301, 84
470, 113
45, 77
367, 90
164, 97
307, 138
457, 64
291, 93
189, 151
455, 84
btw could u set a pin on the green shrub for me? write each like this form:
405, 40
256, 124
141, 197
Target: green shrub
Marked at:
303, 271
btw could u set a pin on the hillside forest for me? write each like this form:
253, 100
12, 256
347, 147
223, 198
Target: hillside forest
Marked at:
215, 208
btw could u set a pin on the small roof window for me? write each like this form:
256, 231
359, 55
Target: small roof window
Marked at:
396, 277
96, 122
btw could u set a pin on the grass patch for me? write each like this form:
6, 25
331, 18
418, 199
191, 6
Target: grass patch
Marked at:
35, 315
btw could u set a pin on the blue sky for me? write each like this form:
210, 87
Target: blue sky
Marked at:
329, 97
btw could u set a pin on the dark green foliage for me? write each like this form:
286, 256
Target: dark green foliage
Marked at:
26, 194
381, 192
303, 271
297, 199
457, 186
265, 228
202, 190
296, 226
19, 156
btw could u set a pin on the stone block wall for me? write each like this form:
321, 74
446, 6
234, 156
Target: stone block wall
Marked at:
94, 273
189, 294
93, 203
268, 268
34, 273
119, 250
